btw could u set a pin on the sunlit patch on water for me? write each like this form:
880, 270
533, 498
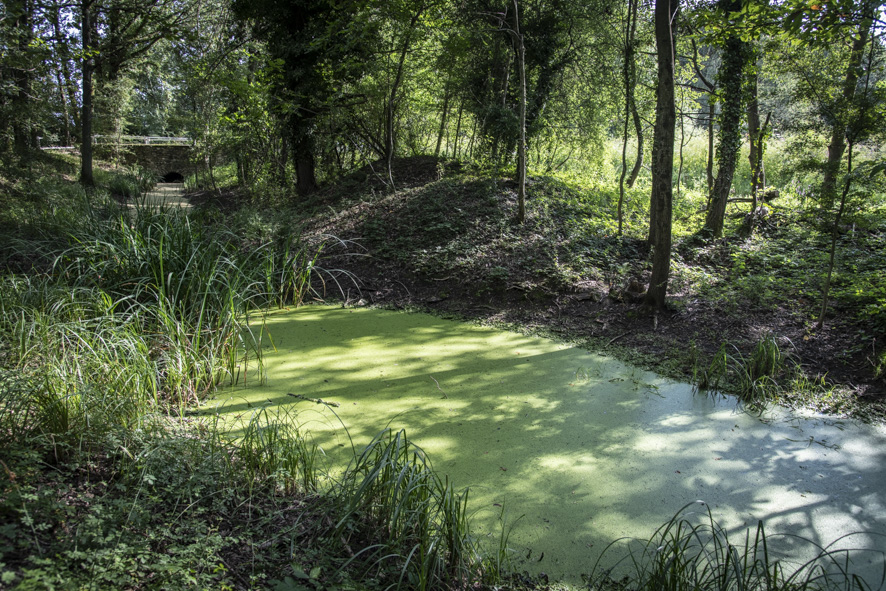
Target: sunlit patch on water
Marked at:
585, 448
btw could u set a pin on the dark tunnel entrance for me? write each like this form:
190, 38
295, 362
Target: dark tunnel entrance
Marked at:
172, 177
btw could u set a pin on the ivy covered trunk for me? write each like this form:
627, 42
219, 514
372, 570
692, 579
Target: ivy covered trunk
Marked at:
731, 81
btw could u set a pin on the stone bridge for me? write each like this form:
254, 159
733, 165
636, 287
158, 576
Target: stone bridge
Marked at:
167, 157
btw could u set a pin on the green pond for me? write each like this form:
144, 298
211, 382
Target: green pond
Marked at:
585, 448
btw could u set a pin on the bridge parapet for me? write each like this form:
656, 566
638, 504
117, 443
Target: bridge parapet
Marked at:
129, 140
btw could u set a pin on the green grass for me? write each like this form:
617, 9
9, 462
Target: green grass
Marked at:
692, 552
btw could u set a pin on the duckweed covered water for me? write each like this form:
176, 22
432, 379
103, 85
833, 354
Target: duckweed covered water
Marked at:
575, 449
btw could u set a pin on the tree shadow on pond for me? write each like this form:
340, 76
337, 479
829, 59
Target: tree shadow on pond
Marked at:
586, 448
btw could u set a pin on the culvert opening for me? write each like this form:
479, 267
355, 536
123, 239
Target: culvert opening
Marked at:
172, 177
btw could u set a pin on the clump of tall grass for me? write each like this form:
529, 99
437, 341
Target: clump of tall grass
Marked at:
272, 448
152, 305
692, 552
753, 378
390, 494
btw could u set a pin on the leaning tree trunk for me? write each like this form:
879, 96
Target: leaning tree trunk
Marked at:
834, 234
628, 74
631, 60
709, 168
661, 200
391, 105
440, 134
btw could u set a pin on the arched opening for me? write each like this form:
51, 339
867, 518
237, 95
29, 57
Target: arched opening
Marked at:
172, 177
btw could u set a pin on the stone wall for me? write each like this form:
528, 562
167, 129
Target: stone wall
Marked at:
162, 160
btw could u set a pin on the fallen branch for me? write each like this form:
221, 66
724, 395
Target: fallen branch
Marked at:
314, 400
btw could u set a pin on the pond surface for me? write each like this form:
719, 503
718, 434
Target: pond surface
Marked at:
585, 448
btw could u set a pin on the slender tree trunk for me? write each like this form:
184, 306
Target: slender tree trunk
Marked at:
710, 167
391, 106
442, 132
64, 71
629, 96
66, 114
624, 171
754, 138
86, 30
661, 200
630, 87
758, 180
834, 235
638, 128
682, 145
458, 128
521, 149
837, 145
21, 101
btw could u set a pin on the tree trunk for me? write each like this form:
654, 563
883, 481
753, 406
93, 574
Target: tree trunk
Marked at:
833, 251
66, 113
305, 174
391, 106
630, 85
64, 71
754, 136
624, 171
638, 127
442, 132
22, 75
461, 106
710, 167
521, 149
661, 200
758, 180
627, 75
837, 145
731, 78
86, 176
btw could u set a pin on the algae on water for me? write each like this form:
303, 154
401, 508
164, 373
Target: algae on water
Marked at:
586, 448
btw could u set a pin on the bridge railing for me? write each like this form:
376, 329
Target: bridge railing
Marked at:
141, 140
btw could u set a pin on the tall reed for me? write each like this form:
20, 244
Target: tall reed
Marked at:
692, 552
150, 305
391, 496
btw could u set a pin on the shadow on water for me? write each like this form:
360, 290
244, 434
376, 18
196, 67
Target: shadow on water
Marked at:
586, 448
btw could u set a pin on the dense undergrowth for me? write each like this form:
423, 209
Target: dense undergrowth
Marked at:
116, 321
